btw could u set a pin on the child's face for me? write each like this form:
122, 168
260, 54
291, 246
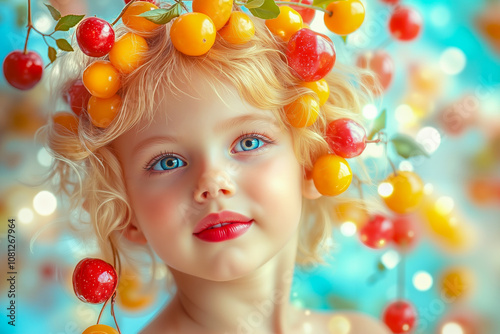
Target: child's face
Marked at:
205, 157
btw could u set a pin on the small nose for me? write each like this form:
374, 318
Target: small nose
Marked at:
213, 184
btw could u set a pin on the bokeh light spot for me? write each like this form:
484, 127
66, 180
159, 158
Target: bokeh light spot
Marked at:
45, 203
452, 61
348, 229
422, 280
25, 215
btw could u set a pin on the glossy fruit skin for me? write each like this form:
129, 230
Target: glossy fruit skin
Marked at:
95, 36
101, 79
407, 192
152, 1
400, 316
307, 14
346, 137
193, 34
23, 71
405, 23
310, 54
405, 233
347, 16
351, 212
390, 2
100, 329
67, 121
218, 10
377, 232
331, 175
131, 19
128, 53
320, 87
382, 64
94, 280
77, 96
302, 112
286, 24
239, 29
103, 111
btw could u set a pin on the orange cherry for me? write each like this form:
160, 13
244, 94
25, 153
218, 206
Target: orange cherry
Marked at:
332, 175
239, 29
100, 329
286, 24
402, 193
103, 111
193, 34
128, 53
320, 87
347, 16
218, 10
302, 112
66, 121
132, 19
101, 79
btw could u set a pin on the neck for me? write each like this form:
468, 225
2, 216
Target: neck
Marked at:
255, 303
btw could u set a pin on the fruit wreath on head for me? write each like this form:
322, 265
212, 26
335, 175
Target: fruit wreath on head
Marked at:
310, 56
113, 62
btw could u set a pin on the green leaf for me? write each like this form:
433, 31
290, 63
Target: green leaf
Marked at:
54, 12
321, 3
268, 10
378, 124
52, 54
64, 45
407, 147
254, 3
67, 22
163, 15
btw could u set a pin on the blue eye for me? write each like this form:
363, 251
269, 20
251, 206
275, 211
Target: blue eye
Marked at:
248, 144
168, 163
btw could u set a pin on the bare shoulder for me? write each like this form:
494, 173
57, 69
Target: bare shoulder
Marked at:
352, 323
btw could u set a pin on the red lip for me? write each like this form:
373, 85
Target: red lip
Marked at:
237, 224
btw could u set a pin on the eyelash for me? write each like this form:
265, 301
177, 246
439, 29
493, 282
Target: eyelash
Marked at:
166, 154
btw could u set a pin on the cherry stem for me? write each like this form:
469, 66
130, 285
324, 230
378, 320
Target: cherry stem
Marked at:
299, 4
401, 277
182, 4
376, 141
113, 311
30, 26
122, 12
103, 307
392, 166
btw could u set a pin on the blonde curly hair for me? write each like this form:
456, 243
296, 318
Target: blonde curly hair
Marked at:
89, 171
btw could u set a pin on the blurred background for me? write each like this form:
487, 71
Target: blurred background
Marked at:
442, 90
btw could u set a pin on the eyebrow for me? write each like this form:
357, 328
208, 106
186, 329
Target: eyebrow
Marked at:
219, 128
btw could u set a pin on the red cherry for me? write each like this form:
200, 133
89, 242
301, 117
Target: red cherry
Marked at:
377, 232
346, 138
310, 54
390, 2
95, 36
306, 13
405, 233
400, 316
379, 62
94, 280
405, 23
23, 71
77, 96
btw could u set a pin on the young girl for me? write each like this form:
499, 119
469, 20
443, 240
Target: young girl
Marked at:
199, 143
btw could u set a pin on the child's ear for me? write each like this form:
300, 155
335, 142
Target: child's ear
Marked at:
134, 233
309, 190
